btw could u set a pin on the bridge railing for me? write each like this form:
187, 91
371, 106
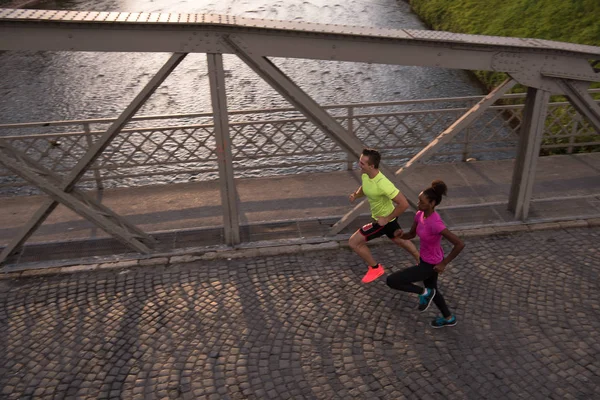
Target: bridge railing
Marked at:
162, 149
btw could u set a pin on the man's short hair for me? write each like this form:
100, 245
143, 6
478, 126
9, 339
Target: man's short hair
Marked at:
374, 156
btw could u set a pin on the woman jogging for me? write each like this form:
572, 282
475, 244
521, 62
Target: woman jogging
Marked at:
430, 228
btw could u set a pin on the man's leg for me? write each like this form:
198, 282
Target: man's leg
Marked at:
358, 243
408, 246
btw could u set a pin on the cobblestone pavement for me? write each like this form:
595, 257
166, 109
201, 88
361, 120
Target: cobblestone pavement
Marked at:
303, 326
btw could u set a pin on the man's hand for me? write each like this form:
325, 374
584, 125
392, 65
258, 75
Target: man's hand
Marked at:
440, 268
352, 197
382, 221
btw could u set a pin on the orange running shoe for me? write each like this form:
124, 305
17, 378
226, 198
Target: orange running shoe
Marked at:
373, 273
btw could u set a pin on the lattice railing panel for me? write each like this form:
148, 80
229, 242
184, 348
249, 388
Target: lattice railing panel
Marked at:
565, 128
159, 146
400, 131
56, 153
279, 138
279, 141
496, 125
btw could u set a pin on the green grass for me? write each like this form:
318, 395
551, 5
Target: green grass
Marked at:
574, 21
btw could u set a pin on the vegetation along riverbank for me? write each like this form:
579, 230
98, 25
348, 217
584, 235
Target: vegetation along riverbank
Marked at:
573, 21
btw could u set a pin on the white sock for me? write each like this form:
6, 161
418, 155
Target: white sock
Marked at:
425, 291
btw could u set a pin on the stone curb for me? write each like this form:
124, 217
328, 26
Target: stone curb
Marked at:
272, 249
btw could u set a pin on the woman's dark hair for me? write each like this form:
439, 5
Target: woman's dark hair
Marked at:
435, 192
374, 156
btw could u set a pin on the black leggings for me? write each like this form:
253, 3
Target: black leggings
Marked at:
403, 280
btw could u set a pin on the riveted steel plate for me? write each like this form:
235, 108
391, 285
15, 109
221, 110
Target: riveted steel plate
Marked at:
507, 62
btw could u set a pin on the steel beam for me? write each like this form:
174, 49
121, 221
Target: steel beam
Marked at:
231, 221
528, 59
583, 102
530, 139
93, 153
460, 124
392, 51
76, 200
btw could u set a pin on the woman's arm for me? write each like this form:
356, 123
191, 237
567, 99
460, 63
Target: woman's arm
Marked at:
458, 246
411, 234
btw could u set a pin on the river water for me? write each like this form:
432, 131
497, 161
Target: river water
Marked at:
42, 86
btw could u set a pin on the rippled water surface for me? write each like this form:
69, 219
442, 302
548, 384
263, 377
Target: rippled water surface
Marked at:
37, 86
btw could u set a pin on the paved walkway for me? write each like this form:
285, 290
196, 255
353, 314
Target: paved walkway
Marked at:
302, 326
301, 206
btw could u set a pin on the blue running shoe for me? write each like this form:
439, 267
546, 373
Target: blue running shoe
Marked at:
425, 299
441, 322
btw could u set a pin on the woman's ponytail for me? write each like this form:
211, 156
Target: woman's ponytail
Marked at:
435, 192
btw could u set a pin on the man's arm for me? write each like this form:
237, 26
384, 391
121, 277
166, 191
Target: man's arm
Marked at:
357, 194
401, 206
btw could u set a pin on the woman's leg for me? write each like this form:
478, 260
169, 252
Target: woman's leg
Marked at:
431, 283
403, 280
408, 246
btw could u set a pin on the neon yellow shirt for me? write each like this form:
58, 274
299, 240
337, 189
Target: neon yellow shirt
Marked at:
380, 192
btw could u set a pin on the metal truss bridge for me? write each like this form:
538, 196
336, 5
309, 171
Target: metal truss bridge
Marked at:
544, 67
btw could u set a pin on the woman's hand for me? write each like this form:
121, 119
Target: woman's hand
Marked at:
440, 268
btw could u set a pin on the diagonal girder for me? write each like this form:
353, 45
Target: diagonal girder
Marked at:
583, 102
76, 200
307, 105
296, 96
464, 121
93, 153
18, 156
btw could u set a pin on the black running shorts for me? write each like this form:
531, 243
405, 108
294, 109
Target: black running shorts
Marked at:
373, 230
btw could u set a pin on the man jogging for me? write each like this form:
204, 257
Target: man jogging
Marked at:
386, 203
